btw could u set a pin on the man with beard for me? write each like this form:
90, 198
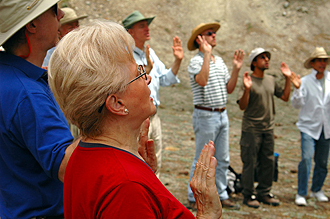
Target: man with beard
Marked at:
256, 98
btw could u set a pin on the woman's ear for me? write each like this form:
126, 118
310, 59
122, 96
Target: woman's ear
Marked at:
115, 105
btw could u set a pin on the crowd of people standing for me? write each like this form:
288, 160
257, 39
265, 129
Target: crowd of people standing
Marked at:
104, 79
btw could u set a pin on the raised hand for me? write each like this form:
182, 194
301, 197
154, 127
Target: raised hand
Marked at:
177, 48
238, 58
285, 70
147, 147
206, 47
295, 79
203, 184
150, 64
247, 82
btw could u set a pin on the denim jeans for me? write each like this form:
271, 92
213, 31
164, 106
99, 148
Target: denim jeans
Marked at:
320, 149
212, 126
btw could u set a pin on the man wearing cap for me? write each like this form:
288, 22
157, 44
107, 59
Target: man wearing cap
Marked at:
34, 136
69, 22
256, 98
138, 26
312, 97
210, 83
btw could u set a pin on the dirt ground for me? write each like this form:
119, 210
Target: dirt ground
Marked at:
290, 29
178, 140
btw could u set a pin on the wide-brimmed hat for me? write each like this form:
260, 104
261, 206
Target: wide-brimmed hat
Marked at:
135, 17
254, 53
70, 16
198, 30
15, 14
319, 52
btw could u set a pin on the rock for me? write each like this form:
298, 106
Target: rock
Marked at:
286, 4
284, 14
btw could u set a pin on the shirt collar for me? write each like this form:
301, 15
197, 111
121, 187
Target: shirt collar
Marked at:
138, 51
29, 69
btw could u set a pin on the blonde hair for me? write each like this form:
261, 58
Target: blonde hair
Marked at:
87, 65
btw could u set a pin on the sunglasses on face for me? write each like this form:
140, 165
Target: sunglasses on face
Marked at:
209, 33
142, 73
263, 56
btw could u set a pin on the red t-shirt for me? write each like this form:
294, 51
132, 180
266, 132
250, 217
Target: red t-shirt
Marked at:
105, 182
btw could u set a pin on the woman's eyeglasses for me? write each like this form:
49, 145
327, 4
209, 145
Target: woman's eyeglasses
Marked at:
142, 73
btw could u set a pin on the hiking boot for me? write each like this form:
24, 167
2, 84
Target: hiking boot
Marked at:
251, 201
269, 200
228, 204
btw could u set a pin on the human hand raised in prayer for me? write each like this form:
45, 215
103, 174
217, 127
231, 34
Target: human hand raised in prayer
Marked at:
147, 147
203, 184
177, 48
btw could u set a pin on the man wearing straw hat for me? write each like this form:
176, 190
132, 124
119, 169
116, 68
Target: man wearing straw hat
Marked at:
210, 83
138, 26
69, 22
312, 97
34, 136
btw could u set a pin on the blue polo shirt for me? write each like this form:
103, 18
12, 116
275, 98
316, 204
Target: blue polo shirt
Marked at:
33, 137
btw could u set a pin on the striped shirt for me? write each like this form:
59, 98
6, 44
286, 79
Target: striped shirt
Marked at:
214, 94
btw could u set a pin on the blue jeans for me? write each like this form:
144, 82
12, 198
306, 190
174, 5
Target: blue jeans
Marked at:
212, 126
320, 149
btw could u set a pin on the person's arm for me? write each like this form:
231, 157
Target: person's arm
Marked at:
287, 87
178, 54
247, 82
203, 184
203, 76
68, 152
150, 64
237, 64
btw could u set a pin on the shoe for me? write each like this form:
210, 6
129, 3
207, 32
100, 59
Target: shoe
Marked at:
230, 205
319, 196
269, 200
192, 206
251, 201
300, 200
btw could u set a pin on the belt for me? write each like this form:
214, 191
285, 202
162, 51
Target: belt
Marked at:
212, 109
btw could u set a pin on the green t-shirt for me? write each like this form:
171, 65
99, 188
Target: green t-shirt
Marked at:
260, 111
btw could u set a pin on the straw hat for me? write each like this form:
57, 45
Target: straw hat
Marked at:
198, 30
254, 53
135, 17
318, 52
15, 14
70, 16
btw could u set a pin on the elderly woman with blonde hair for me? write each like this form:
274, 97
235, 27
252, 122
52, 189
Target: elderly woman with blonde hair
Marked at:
101, 90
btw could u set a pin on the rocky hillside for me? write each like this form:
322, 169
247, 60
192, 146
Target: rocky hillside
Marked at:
289, 29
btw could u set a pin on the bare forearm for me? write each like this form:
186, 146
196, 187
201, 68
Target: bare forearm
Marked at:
68, 151
244, 101
176, 65
233, 80
203, 76
287, 89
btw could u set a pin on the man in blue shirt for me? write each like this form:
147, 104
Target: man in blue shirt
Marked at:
35, 140
138, 26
